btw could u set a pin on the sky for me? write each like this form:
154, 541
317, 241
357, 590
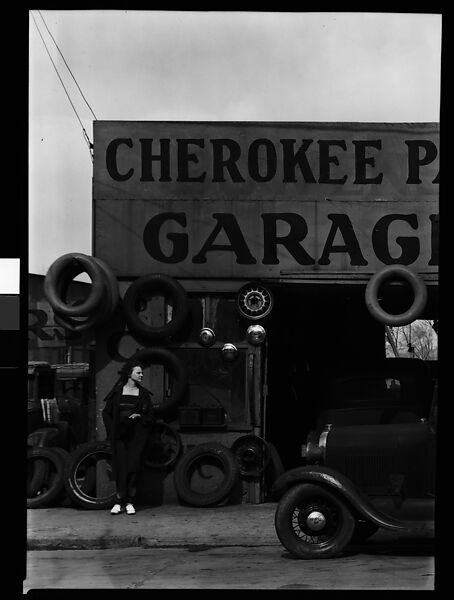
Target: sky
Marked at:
206, 66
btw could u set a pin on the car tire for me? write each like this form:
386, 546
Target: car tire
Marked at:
150, 283
419, 290
52, 485
102, 300
211, 455
60, 274
313, 522
82, 463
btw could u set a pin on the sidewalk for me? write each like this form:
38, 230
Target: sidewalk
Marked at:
168, 525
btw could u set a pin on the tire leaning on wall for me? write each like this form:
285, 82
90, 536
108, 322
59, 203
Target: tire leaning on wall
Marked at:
193, 460
396, 272
51, 486
146, 285
80, 476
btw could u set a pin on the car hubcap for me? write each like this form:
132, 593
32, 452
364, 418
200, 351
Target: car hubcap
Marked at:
314, 523
316, 520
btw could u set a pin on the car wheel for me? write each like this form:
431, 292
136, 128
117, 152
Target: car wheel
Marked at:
313, 522
88, 479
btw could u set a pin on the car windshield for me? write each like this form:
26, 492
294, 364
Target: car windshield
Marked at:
368, 400
366, 391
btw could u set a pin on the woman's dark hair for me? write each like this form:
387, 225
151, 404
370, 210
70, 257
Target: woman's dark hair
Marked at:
127, 368
124, 373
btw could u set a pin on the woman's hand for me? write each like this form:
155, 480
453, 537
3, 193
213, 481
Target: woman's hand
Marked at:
135, 416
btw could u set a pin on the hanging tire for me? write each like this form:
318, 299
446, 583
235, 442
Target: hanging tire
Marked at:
79, 325
52, 485
105, 308
85, 465
152, 283
173, 364
62, 272
419, 291
206, 475
313, 522
101, 302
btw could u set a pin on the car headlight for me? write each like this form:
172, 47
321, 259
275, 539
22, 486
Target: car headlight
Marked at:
313, 451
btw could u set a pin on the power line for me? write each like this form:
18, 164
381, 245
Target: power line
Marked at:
90, 145
67, 66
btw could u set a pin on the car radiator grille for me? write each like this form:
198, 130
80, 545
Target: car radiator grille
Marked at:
372, 470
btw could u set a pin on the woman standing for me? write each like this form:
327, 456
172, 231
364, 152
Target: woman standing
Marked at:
127, 415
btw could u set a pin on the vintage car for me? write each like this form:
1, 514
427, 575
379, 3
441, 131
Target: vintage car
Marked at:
368, 463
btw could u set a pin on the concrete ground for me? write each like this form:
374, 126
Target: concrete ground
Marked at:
166, 525
232, 546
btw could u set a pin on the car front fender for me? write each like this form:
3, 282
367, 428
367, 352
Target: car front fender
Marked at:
329, 478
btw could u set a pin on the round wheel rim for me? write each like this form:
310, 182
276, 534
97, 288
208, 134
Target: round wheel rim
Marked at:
254, 301
304, 527
86, 467
252, 453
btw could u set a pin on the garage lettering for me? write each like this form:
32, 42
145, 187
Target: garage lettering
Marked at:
226, 224
262, 161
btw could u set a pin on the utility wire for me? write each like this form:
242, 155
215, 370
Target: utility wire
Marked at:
67, 66
90, 145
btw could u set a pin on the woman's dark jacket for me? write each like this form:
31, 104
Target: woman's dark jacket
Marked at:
139, 426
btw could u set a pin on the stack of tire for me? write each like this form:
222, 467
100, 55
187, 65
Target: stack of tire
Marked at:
46, 465
206, 474
101, 302
93, 460
153, 337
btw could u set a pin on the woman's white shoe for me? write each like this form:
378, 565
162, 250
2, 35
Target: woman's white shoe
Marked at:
116, 509
130, 510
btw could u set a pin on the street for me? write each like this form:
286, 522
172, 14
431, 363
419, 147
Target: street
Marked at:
377, 565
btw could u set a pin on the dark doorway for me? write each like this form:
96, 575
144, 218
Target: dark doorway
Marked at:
312, 326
